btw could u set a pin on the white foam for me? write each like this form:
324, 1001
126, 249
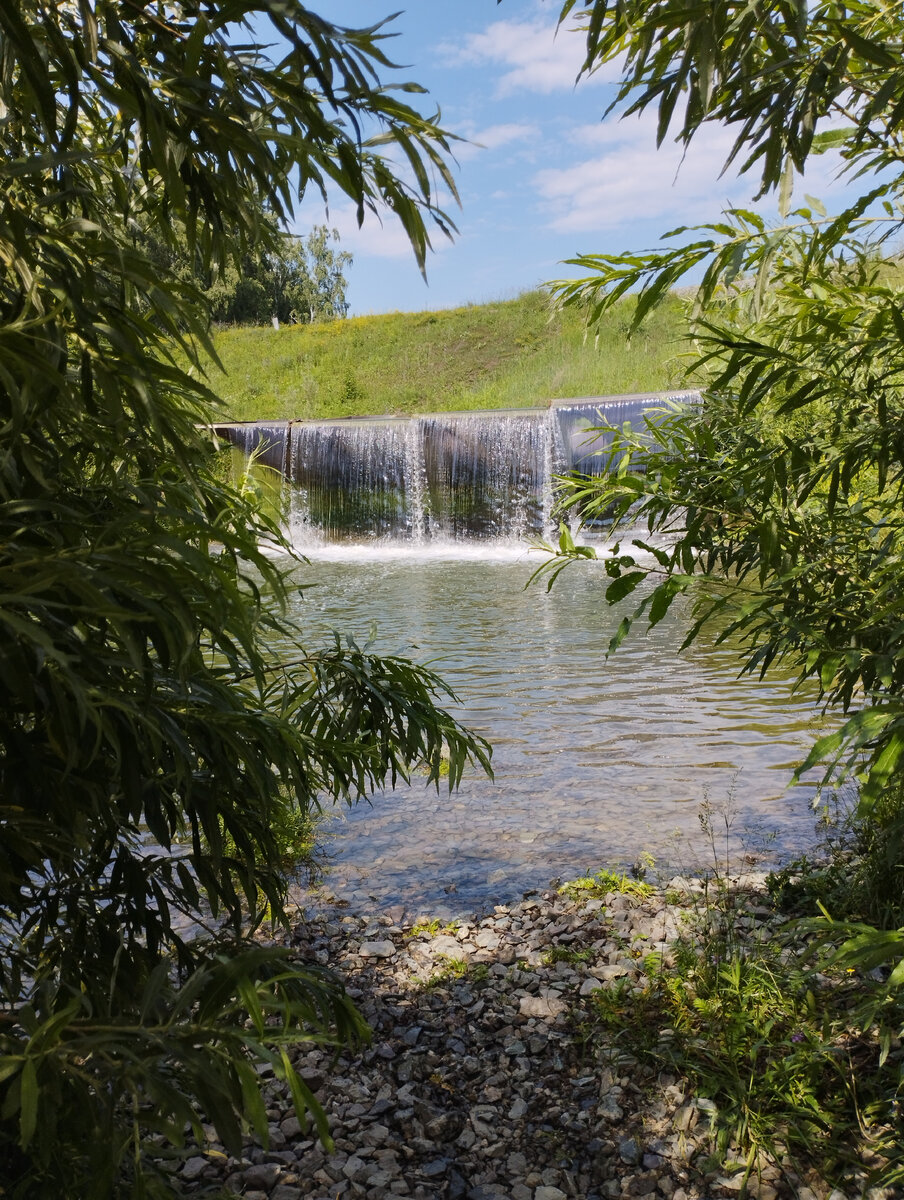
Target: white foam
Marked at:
432, 551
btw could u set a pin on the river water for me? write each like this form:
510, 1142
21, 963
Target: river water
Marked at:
596, 761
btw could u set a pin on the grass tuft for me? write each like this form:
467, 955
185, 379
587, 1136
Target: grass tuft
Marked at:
604, 882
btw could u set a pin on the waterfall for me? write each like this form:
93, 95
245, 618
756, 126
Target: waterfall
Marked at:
265, 439
448, 477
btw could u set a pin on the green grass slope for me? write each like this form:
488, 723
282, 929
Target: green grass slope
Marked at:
502, 355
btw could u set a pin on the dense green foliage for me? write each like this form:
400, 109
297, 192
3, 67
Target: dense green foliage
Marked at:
299, 280
778, 503
149, 739
777, 1048
501, 355
277, 276
785, 488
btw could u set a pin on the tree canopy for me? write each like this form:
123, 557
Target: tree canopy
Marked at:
150, 740
294, 280
781, 494
301, 281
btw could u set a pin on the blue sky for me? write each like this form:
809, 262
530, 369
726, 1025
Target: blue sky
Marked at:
553, 177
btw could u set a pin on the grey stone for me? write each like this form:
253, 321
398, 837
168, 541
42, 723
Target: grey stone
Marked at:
731, 1183
643, 1185
444, 1127
377, 950
762, 1190
487, 940
547, 1008
609, 1110
354, 1168
685, 1118
192, 1167
263, 1176
432, 1169
608, 971
444, 944
629, 1151
549, 1193
516, 1164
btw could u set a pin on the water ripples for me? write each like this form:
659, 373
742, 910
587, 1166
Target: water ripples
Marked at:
596, 760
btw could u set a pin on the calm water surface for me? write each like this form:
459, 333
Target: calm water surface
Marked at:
596, 761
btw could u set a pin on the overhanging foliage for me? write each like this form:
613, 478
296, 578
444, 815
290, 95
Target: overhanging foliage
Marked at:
149, 739
781, 495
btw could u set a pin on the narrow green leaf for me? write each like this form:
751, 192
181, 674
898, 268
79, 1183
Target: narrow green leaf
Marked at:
28, 1103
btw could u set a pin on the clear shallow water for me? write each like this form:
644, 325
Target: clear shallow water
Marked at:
595, 761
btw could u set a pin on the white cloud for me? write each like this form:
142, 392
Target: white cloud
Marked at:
376, 239
531, 55
493, 137
630, 180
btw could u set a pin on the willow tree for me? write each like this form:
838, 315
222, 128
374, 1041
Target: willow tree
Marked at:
149, 740
783, 493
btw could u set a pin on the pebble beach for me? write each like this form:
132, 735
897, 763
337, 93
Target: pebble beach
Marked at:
481, 1082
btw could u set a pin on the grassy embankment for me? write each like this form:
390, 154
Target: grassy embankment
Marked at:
501, 355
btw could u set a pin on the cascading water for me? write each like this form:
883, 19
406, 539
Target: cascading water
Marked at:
266, 440
455, 477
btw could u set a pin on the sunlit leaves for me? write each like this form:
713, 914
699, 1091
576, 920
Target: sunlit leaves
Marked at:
151, 741
781, 497
769, 70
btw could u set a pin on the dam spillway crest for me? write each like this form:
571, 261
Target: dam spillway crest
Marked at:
455, 476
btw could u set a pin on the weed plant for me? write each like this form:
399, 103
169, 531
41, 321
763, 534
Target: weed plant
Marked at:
799, 1061
602, 883
432, 927
453, 970
859, 873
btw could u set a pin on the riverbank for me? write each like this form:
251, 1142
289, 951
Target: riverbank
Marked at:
507, 354
504, 1066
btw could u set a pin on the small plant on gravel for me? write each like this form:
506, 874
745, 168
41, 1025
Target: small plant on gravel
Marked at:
567, 954
449, 969
780, 1048
602, 883
431, 928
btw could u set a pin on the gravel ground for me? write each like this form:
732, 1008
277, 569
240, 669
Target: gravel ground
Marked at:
479, 1082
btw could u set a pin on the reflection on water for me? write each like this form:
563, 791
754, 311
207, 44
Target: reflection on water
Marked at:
595, 760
